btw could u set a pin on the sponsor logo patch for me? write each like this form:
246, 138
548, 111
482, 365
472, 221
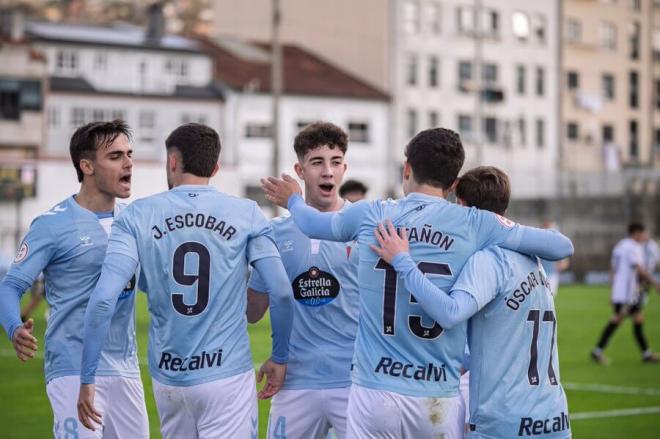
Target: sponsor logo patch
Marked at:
315, 287
22, 253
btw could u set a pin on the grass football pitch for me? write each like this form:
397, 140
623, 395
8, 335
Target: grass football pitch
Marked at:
615, 401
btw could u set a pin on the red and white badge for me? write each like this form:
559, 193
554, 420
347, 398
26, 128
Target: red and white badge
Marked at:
22, 252
506, 222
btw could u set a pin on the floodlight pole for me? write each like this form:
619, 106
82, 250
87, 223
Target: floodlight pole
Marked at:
276, 86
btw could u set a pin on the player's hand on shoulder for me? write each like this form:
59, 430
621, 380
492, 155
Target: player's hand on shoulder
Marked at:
25, 344
274, 373
87, 413
390, 241
278, 190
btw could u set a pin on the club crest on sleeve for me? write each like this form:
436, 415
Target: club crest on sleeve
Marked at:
505, 221
22, 253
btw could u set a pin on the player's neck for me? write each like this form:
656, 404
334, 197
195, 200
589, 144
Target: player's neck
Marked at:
94, 200
190, 179
336, 205
428, 190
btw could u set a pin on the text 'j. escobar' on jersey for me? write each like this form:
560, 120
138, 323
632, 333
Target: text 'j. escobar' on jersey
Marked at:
194, 245
68, 243
515, 389
398, 347
323, 275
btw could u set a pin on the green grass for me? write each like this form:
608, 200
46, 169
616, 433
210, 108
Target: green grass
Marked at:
582, 313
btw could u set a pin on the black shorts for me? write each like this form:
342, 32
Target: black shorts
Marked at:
630, 309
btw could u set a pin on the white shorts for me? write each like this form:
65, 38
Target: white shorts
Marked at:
388, 415
120, 401
224, 408
308, 413
465, 394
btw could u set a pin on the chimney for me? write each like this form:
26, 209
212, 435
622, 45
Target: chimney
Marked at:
155, 24
12, 23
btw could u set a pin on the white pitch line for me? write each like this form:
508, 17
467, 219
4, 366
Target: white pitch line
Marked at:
606, 388
615, 413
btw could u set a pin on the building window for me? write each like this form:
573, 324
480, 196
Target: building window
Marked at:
635, 34
522, 131
572, 131
491, 20
433, 72
465, 19
608, 86
465, 124
633, 133
489, 73
540, 133
434, 119
608, 35
490, 129
520, 25
254, 192
100, 61
573, 30
77, 117
608, 134
539, 26
54, 117
66, 61
657, 94
573, 80
302, 124
464, 71
435, 15
9, 103
193, 118
147, 126
521, 79
177, 67
540, 81
411, 70
358, 132
633, 87
255, 130
411, 17
635, 5
412, 122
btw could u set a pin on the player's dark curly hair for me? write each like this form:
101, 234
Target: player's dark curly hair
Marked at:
87, 139
485, 187
436, 156
199, 146
319, 134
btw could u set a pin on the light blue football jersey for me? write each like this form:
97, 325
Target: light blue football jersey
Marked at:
398, 347
323, 275
68, 243
194, 245
515, 389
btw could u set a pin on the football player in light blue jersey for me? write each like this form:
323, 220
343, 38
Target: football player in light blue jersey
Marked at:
406, 366
324, 279
514, 367
68, 244
194, 245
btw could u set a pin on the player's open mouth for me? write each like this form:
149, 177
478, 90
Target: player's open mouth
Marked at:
326, 188
126, 179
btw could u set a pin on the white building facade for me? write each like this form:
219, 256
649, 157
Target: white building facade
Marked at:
446, 54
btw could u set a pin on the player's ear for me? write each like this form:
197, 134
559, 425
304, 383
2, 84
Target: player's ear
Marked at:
407, 171
171, 161
216, 168
86, 166
299, 170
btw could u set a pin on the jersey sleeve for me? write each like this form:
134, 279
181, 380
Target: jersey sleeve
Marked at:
257, 283
261, 242
122, 238
483, 276
346, 223
636, 256
493, 229
34, 253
